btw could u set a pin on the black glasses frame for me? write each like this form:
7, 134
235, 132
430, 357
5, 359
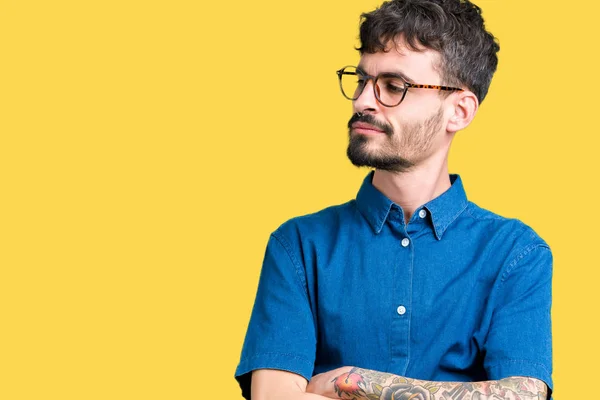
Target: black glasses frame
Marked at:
376, 89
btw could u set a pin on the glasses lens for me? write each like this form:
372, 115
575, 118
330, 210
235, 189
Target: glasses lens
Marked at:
351, 83
391, 90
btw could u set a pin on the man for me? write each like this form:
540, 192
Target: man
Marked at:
410, 291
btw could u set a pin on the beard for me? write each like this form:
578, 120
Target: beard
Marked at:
396, 152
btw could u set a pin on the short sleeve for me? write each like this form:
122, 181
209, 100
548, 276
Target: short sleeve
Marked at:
281, 332
519, 341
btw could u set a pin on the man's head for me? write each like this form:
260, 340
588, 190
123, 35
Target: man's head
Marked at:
426, 42
453, 28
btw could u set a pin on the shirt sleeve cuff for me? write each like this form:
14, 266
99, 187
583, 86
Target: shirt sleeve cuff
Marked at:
286, 362
509, 368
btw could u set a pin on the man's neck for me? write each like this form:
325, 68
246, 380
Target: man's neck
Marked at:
412, 189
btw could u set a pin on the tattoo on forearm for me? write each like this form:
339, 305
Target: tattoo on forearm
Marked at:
363, 384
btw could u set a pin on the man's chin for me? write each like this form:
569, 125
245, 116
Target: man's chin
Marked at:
360, 156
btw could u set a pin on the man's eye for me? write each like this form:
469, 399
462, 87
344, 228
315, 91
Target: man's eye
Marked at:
394, 88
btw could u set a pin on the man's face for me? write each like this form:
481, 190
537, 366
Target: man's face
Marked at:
401, 137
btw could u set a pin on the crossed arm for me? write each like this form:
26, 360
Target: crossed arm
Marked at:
362, 384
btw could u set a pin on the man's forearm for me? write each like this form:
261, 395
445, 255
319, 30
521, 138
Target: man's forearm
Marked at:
271, 384
373, 385
289, 396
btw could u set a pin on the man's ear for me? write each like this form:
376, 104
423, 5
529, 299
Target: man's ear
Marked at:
465, 105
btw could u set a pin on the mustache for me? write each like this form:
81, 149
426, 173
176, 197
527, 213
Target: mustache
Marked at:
371, 120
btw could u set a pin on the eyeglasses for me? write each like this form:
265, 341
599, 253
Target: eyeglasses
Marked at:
389, 88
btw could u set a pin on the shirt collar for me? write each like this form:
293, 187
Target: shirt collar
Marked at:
444, 209
373, 204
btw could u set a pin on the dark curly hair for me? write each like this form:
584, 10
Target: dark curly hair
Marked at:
453, 28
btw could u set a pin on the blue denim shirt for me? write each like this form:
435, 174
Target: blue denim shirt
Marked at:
457, 294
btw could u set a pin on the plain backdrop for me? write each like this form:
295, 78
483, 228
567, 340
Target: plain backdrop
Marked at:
149, 148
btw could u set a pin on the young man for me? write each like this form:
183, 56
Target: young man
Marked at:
410, 291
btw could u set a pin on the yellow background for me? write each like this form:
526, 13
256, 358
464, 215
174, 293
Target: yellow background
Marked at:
148, 149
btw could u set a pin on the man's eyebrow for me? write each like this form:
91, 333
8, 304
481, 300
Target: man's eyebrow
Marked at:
399, 74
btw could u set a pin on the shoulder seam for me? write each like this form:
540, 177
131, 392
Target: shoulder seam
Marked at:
297, 265
520, 256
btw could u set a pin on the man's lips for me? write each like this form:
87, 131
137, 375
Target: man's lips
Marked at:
367, 128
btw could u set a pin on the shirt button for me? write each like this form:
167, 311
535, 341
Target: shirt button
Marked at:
405, 242
422, 213
401, 310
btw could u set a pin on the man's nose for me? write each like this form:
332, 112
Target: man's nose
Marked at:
367, 100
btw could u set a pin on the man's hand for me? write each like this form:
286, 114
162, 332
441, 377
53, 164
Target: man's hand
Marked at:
336, 383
